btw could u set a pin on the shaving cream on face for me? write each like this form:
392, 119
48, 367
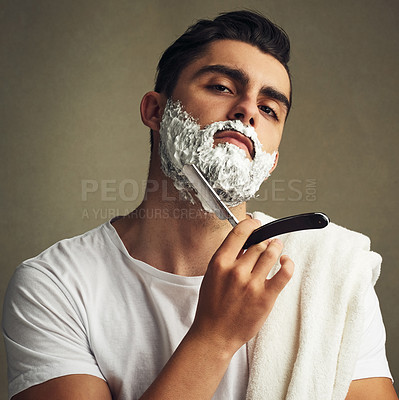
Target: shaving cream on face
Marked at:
226, 167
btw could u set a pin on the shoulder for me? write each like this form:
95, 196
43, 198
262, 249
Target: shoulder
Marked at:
64, 279
88, 242
335, 249
333, 233
70, 266
72, 255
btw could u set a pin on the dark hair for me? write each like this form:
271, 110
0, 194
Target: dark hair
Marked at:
245, 26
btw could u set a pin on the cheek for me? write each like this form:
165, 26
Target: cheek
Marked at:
270, 138
205, 111
203, 107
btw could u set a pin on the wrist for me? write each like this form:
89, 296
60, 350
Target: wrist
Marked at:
212, 344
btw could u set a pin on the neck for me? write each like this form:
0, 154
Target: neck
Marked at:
172, 234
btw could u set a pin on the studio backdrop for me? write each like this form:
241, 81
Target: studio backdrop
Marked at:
74, 152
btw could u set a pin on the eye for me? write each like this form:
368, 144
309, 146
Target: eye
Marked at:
269, 111
221, 88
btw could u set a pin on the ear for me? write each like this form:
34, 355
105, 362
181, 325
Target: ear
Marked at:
151, 109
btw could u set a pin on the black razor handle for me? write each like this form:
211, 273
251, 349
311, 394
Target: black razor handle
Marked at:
293, 223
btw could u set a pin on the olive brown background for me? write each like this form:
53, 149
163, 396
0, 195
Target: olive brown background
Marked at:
74, 152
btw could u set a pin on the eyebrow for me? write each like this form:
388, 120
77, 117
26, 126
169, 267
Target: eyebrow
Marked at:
241, 77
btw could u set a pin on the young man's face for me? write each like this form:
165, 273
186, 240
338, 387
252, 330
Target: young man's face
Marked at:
235, 80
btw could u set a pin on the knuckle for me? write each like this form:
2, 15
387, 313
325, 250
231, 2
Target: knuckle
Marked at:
288, 267
239, 231
244, 228
252, 287
275, 248
285, 275
218, 262
277, 244
237, 274
260, 247
270, 256
279, 281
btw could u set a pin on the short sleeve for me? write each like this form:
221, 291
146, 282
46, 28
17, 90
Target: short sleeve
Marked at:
372, 361
45, 337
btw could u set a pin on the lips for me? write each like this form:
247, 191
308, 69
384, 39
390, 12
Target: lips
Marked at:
236, 138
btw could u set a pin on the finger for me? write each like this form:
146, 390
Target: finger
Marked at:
268, 259
232, 245
278, 282
253, 253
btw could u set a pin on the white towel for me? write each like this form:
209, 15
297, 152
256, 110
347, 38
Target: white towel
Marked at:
308, 347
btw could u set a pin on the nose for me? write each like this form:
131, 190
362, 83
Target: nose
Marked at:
245, 110
241, 117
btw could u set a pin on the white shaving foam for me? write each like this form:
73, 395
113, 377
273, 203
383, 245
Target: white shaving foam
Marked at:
234, 176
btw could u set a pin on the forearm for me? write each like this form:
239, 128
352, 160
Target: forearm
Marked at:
193, 372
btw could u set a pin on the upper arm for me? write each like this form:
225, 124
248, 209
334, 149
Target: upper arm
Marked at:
372, 360
371, 389
44, 335
70, 387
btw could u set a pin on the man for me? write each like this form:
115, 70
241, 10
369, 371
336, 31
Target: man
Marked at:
163, 303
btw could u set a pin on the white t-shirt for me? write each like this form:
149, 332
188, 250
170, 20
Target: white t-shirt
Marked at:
85, 306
